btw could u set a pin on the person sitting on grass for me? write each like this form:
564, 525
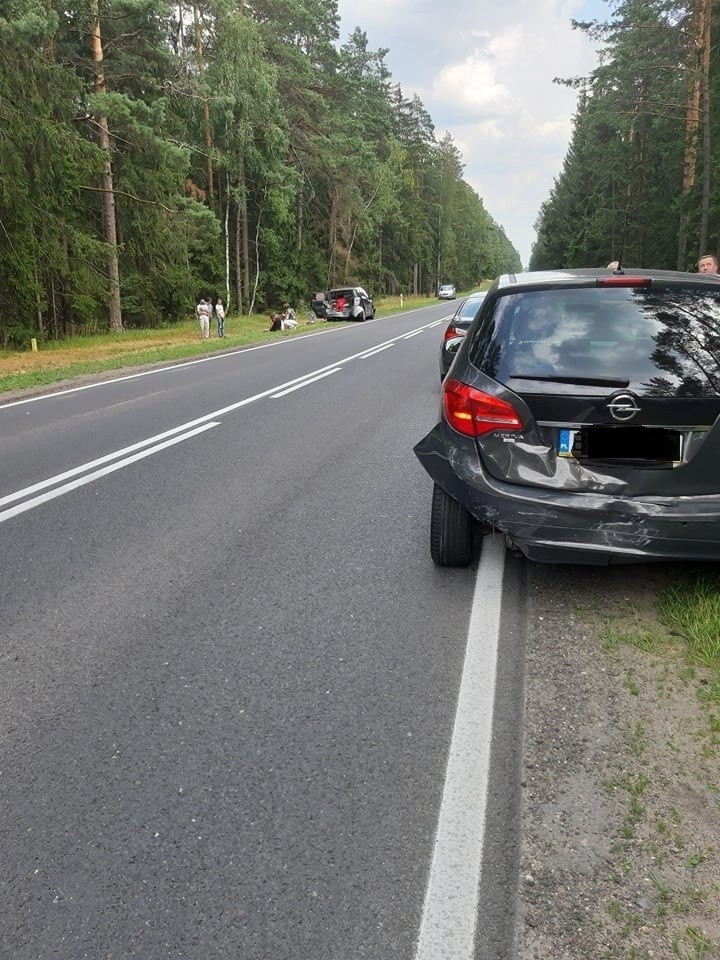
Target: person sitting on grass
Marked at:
289, 317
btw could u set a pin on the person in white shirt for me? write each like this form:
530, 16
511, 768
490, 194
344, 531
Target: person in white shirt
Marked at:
220, 314
203, 312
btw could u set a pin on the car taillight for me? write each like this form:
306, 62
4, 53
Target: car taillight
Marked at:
474, 413
451, 332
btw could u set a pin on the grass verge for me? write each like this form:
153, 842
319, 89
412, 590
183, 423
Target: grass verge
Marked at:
692, 610
665, 855
82, 355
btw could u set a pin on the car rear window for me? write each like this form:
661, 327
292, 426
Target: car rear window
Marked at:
668, 340
470, 307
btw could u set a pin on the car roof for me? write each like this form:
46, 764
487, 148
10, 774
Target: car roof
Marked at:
511, 282
470, 298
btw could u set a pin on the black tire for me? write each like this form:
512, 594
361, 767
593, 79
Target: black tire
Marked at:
360, 316
451, 531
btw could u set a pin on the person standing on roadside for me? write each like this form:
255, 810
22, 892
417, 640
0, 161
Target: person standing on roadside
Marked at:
708, 263
220, 314
203, 313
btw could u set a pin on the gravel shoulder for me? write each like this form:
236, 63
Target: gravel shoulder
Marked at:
620, 854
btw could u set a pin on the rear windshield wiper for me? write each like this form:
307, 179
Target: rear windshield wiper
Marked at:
582, 381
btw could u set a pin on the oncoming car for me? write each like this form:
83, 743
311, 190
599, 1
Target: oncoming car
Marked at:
457, 328
349, 303
446, 292
581, 420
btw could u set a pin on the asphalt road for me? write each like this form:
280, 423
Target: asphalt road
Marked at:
230, 672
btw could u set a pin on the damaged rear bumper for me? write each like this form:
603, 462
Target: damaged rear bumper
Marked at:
559, 526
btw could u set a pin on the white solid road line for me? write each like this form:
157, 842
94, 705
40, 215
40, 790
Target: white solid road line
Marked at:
276, 392
305, 383
447, 930
93, 464
374, 352
103, 472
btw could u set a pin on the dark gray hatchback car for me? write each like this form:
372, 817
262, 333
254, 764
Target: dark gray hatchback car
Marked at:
457, 328
580, 420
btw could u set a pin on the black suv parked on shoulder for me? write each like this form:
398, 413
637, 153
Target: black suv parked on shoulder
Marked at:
582, 420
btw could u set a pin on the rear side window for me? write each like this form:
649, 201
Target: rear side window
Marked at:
667, 340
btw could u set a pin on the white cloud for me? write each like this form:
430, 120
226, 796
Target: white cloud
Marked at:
471, 83
486, 75
510, 45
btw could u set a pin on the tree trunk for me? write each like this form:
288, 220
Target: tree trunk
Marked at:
106, 178
706, 27
245, 239
332, 236
207, 132
226, 237
238, 260
181, 29
692, 119
257, 262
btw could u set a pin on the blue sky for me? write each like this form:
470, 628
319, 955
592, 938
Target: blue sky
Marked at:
484, 71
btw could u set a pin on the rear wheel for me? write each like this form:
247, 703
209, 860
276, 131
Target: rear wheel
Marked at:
361, 315
451, 531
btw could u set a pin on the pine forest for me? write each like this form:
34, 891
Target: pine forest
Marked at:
154, 152
637, 181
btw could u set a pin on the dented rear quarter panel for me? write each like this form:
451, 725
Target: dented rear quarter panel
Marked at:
559, 525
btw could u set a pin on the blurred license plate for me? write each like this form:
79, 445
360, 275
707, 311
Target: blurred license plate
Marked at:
648, 446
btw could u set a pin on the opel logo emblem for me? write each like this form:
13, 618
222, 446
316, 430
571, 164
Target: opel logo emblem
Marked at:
623, 407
